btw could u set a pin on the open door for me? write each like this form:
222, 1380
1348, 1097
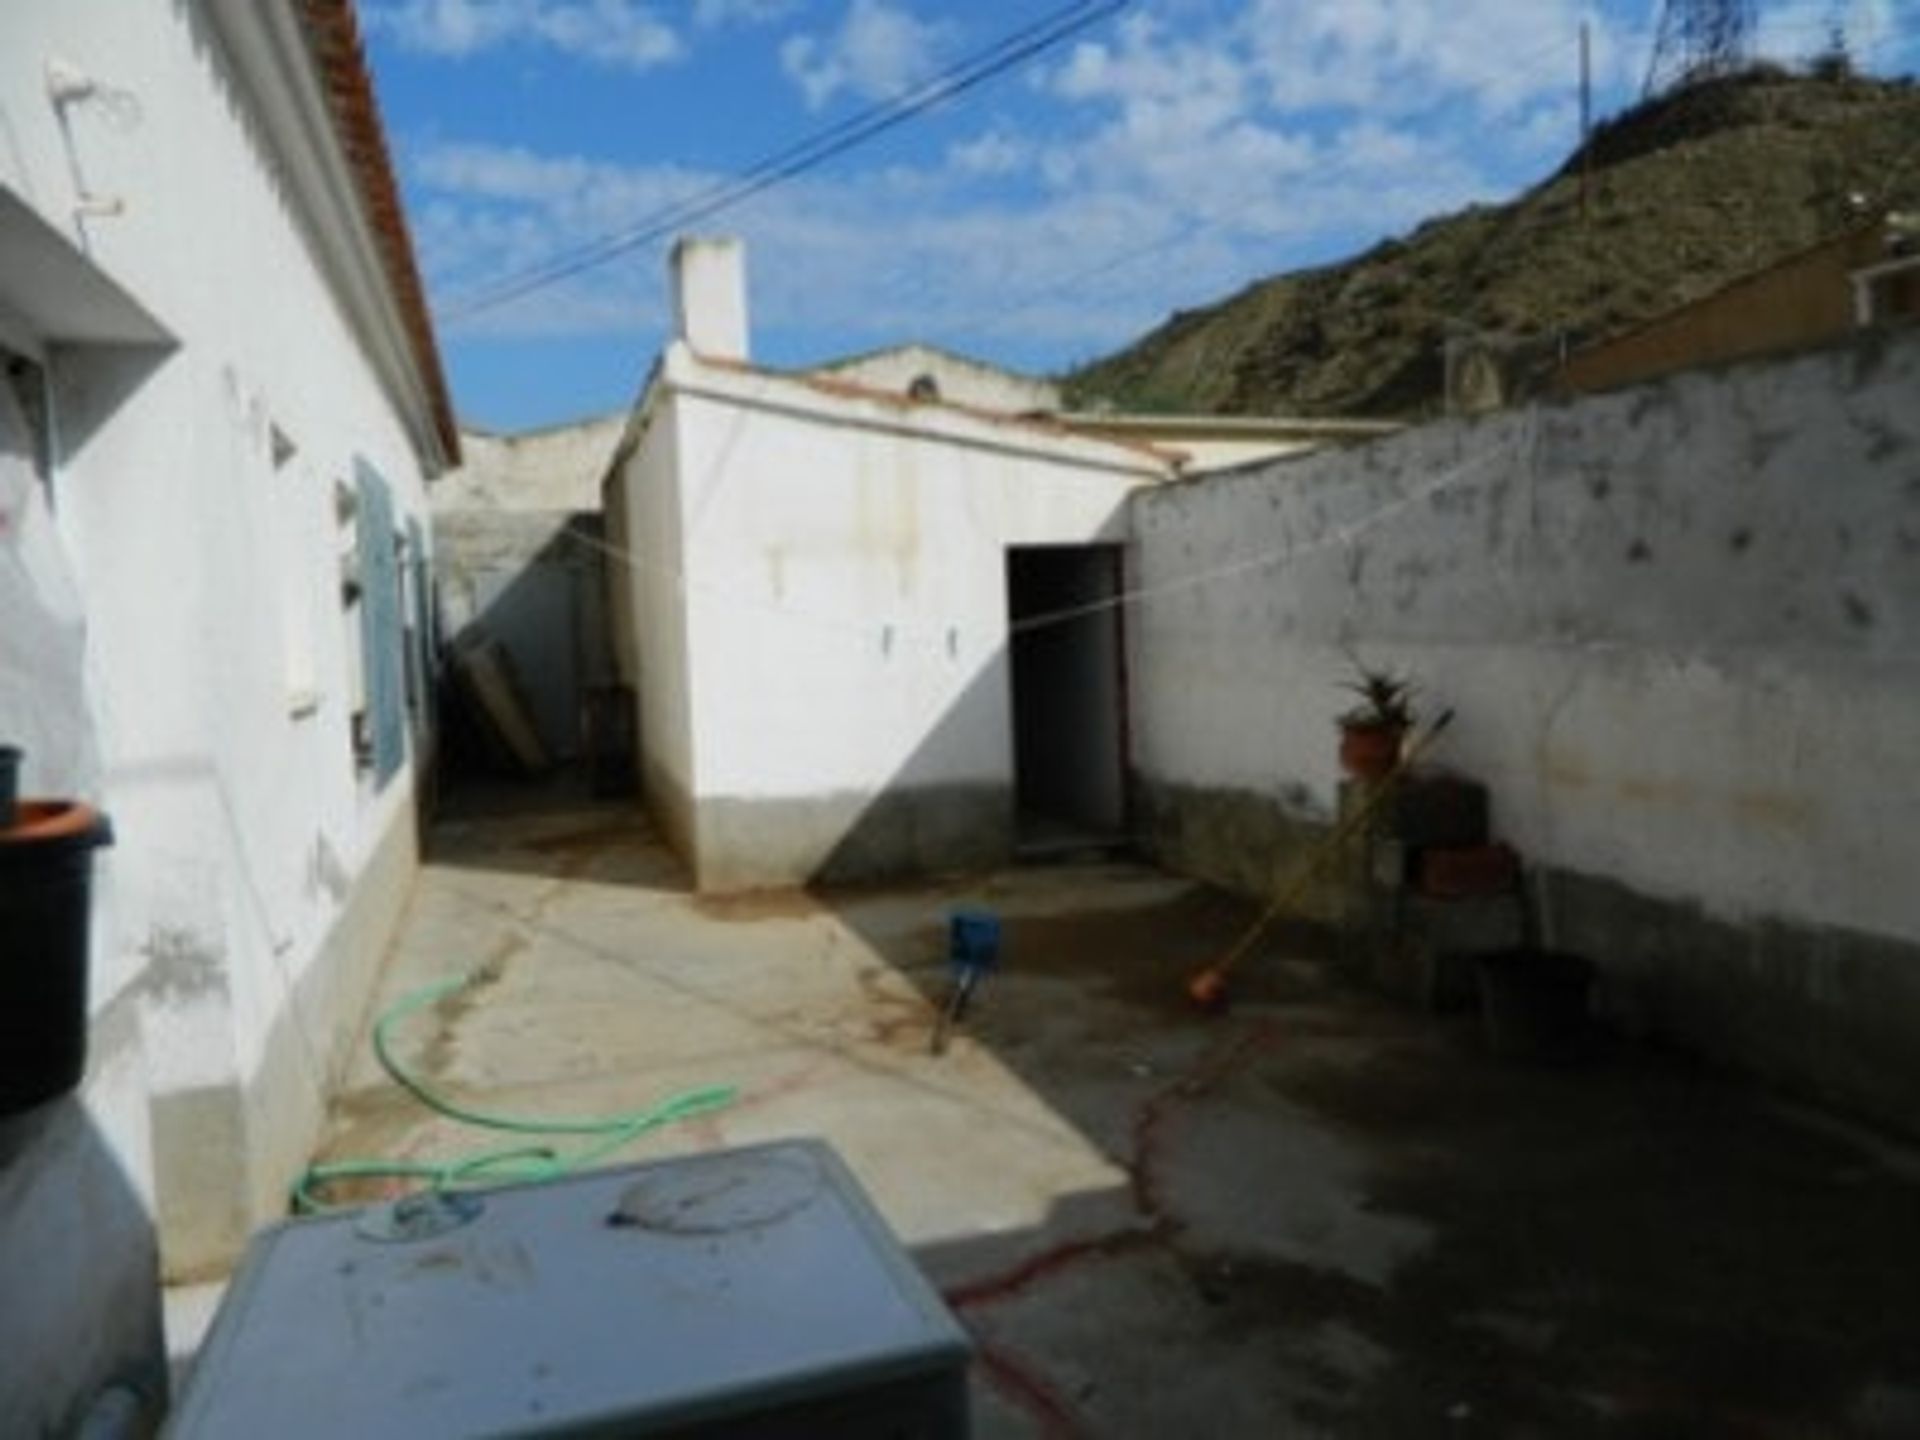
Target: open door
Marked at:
1069, 693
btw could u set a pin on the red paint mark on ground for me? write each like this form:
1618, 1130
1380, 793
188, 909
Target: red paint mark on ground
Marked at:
1047, 1263
1007, 1374
1003, 1370
1143, 1168
1151, 1116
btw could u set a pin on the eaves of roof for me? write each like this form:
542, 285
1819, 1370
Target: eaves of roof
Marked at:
1032, 427
339, 57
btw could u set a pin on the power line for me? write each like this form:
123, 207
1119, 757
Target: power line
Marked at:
974, 70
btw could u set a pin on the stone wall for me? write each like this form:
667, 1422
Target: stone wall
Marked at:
520, 553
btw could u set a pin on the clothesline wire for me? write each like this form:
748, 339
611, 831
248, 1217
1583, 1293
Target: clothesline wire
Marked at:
1340, 536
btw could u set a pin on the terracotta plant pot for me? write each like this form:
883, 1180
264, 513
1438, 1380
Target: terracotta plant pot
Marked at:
46, 901
1369, 752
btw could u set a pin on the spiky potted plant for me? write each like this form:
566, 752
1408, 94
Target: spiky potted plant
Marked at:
1373, 731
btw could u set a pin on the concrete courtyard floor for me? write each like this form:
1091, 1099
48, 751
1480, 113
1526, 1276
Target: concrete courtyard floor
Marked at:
1317, 1214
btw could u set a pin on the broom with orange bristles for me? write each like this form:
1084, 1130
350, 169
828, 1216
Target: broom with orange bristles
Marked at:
1208, 988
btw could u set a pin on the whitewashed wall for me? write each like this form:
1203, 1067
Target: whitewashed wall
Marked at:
845, 614
553, 470
1680, 627
644, 527
257, 873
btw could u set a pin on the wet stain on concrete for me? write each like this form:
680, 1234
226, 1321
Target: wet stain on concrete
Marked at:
1619, 1219
1883, 441
1144, 956
1858, 612
893, 1013
437, 1055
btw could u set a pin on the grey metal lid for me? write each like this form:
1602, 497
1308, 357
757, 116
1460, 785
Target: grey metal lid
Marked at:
641, 1299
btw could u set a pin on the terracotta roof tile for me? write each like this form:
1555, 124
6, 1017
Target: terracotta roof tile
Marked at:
333, 35
895, 400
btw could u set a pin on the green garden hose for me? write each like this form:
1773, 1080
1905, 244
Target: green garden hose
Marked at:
537, 1162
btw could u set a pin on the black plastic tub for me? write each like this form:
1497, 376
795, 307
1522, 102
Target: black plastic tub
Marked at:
46, 903
1534, 1005
9, 783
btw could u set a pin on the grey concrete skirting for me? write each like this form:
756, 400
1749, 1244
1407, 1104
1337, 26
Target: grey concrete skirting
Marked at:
1823, 1010
225, 1154
1236, 839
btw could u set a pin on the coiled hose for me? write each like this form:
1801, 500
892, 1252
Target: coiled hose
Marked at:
515, 1163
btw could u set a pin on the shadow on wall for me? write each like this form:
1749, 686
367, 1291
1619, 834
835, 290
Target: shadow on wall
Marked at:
545, 605
80, 1331
914, 823
1031, 751
91, 383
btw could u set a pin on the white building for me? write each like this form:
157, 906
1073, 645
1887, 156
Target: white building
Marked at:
222, 404
821, 611
937, 374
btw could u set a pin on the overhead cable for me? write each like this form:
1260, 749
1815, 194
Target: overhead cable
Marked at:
966, 74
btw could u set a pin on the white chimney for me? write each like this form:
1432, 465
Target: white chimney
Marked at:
710, 296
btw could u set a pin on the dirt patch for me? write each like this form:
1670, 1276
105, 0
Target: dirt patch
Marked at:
594, 838
750, 906
899, 1019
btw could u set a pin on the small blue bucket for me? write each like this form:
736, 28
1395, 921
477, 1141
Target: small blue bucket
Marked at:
973, 940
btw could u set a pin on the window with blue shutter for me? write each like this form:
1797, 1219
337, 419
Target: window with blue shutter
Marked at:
382, 638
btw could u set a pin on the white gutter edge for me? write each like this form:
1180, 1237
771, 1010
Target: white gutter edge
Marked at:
267, 49
682, 372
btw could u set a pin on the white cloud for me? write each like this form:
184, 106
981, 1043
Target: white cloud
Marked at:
741, 12
993, 153
1388, 56
1193, 146
619, 33
879, 51
821, 250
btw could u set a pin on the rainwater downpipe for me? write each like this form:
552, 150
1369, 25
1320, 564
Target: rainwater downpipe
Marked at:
50, 461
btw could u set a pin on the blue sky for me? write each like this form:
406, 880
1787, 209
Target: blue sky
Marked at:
1157, 160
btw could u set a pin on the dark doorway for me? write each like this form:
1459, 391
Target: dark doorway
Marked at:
1069, 695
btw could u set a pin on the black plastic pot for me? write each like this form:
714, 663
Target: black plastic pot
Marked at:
46, 900
1534, 1003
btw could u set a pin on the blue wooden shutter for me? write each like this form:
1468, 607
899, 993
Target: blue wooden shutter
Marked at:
381, 638
420, 626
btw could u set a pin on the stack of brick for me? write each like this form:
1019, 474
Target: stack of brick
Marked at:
1439, 889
